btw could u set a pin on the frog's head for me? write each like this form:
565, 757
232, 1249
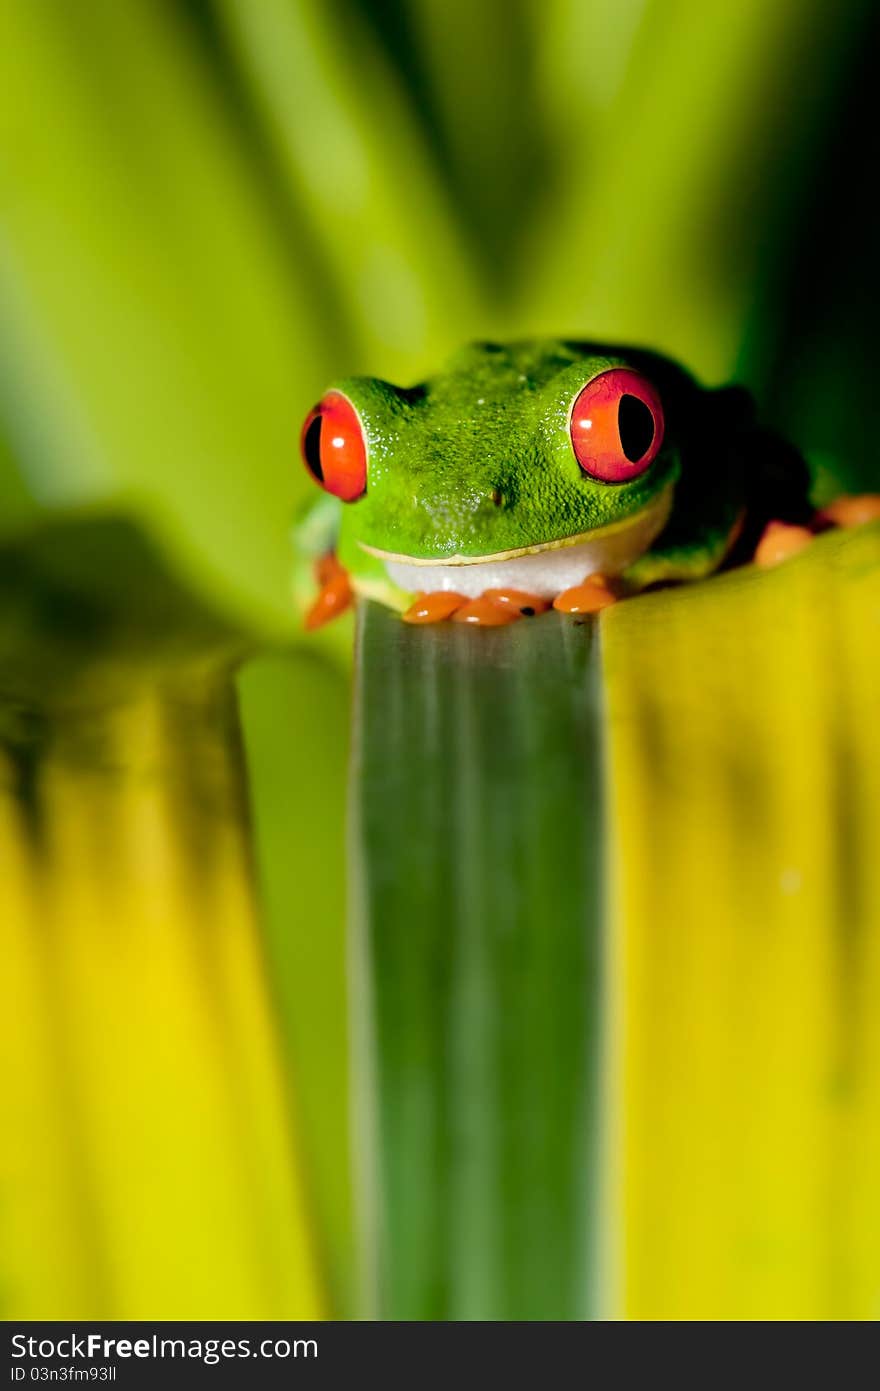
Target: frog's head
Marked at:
509, 449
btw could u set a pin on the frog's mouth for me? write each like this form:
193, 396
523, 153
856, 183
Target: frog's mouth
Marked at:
544, 569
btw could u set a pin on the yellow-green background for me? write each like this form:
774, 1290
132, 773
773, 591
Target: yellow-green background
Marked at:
208, 208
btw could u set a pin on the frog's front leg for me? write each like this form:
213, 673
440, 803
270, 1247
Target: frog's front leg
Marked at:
335, 594
674, 558
315, 537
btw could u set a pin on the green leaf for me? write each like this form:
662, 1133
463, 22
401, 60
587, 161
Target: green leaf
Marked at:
156, 331
476, 879
682, 135
349, 155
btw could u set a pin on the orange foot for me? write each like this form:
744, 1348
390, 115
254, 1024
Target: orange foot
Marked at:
433, 608
779, 541
336, 592
493, 609
852, 510
594, 594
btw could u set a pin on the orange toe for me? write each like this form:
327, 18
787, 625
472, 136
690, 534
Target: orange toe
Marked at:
851, 511
519, 599
486, 613
591, 596
780, 541
433, 608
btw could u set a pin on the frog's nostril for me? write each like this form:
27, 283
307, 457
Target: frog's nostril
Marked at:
497, 497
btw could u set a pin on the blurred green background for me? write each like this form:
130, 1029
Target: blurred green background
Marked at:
211, 208
208, 209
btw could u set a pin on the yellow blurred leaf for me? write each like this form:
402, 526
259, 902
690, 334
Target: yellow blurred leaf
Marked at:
744, 807
149, 1167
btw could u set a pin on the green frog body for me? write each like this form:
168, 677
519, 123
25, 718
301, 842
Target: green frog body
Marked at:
534, 473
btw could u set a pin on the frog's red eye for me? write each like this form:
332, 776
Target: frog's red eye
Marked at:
617, 425
334, 448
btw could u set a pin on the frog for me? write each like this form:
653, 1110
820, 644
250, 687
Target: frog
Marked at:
540, 474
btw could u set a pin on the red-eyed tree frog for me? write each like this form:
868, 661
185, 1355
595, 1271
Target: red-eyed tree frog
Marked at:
542, 473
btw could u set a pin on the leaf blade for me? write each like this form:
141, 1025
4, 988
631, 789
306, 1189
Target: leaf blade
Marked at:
479, 925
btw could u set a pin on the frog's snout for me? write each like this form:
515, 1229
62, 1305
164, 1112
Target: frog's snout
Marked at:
487, 504
484, 502
473, 518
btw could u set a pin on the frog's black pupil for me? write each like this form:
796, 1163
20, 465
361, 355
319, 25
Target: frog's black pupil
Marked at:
312, 448
635, 424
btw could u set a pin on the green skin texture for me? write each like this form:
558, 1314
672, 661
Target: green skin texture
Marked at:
478, 460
